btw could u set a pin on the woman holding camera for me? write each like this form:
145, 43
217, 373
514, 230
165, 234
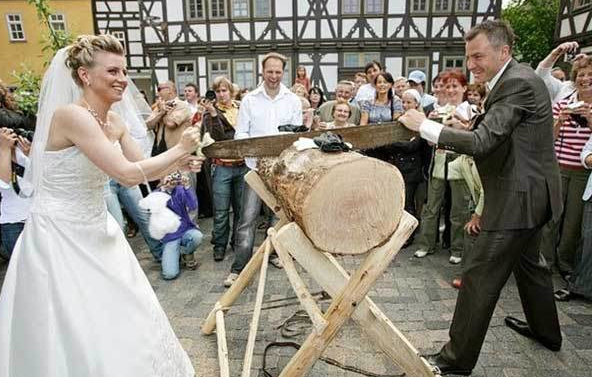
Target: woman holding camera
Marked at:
572, 128
14, 151
227, 174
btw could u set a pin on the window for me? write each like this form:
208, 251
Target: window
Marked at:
374, 6
240, 8
442, 5
195, 9
57, 22
419, 63
120, 35
15, 27
244, 73
355, 59
464, 5
184, 74
218, 8
262, 8
451, 62
351, 6
218, 68
419, 6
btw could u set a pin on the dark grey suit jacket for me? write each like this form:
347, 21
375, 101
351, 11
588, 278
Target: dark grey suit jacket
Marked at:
512, 143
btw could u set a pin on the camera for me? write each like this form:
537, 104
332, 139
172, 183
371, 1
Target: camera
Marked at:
570, 56
210, 95
27, 134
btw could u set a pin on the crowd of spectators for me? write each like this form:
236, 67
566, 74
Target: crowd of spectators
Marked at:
443, 189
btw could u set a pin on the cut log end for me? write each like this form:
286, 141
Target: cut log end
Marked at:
346, 203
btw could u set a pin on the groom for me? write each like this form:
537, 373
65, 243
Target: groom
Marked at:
512, 143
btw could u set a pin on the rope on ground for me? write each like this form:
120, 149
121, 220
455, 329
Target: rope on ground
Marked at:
297, 324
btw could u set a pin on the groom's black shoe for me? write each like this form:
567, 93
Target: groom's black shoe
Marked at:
522, 328
443, 366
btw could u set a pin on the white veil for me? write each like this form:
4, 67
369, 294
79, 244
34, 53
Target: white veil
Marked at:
58, 89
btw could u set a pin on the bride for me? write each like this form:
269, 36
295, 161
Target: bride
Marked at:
75, 302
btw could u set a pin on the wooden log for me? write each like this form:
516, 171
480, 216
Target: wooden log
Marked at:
256, 313
222, 345
346, 203
329, 274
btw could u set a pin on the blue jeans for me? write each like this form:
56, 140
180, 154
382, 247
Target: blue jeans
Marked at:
10, 233
172, 250
227, 186
129, 197
581, 280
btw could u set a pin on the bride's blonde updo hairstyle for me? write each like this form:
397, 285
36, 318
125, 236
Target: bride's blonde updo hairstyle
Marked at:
82, 52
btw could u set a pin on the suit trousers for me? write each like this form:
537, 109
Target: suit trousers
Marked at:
486, 270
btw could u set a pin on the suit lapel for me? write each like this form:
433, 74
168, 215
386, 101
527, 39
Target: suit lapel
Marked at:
491, 95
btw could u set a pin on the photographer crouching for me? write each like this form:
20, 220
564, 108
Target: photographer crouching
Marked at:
572, 128
14, 148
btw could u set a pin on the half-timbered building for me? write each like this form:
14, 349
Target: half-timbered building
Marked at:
574, 23
121, 18
197, 40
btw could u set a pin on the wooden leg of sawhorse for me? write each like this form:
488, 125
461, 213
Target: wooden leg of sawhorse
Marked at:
254, 265
350, 300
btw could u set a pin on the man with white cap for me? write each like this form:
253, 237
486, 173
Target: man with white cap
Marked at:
417, 81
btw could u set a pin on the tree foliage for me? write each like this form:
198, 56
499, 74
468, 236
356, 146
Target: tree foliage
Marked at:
534, 23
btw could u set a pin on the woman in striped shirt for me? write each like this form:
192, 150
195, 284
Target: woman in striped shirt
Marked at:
572, 128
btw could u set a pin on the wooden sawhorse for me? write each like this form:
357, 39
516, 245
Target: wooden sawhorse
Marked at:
349, 295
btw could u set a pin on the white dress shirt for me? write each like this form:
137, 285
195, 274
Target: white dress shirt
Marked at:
261, 115
430, 130
366, 92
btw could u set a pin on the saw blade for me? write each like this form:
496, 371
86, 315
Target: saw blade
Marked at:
361, 137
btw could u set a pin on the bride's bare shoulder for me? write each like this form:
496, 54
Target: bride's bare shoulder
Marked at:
70, 115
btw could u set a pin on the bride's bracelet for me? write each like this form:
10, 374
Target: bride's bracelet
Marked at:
142, 172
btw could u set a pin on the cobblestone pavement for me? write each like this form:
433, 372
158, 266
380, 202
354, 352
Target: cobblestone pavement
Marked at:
415, 294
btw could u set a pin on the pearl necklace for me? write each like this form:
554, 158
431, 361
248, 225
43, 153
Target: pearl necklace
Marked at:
103, 124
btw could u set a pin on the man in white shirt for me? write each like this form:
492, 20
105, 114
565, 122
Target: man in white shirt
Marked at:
512, 144
367, 92
191, 93
262, 111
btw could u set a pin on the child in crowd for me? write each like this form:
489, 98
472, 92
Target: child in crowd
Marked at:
185, 240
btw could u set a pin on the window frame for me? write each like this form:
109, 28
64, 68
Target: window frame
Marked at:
62, 21
440, 11
380, 11
224, 8
343, 11
228, 70
427, 65
254, 71
464, 11
454, 58
18, 23
361, 58
203, 9
176, 64
248, 2
420, 11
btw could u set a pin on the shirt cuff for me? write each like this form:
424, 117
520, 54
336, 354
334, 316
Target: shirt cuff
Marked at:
430, 130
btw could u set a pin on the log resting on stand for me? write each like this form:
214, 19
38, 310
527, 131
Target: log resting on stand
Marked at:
346, 203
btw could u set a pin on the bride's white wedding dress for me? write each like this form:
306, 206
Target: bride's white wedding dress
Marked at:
75, 302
